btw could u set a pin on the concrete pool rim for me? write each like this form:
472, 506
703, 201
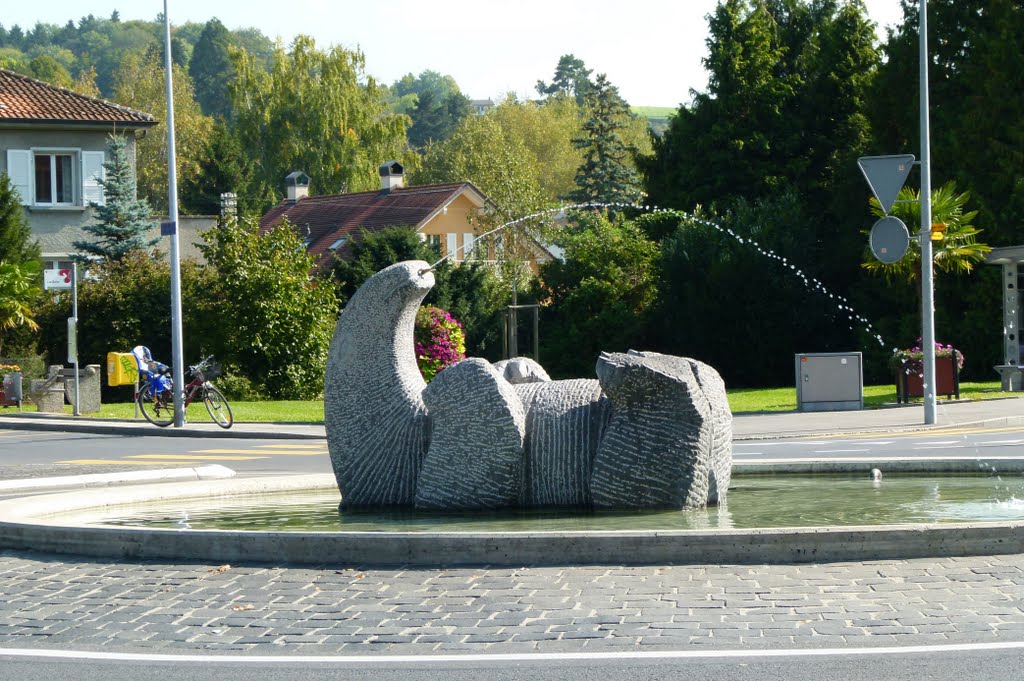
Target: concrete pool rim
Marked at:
27, 525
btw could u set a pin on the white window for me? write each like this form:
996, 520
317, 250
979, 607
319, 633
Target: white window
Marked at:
452, 245
338, 243
56, 178
467, 245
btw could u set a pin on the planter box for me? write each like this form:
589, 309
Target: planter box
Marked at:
947, 381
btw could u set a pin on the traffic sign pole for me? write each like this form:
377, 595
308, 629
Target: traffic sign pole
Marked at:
927, 285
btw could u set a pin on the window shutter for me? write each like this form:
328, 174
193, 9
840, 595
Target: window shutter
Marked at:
19, 169
92, 173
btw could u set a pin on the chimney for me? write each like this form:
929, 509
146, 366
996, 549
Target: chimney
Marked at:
390, 176
228, 205
297, 184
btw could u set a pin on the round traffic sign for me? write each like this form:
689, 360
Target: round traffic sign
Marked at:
889, 240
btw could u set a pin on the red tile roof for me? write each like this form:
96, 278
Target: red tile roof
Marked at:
329, 218
25, 100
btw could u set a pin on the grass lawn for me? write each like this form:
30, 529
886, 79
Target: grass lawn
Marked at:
312, 411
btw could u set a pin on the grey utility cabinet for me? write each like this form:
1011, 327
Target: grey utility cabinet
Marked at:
829, 381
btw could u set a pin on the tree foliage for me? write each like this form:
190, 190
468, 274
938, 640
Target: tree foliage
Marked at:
958, 252
434, 118
315, 111
469, 291
281, 316
16, 243
599, 296
125, 303
571, 79
211, 69
18, 290
123, 220
494, 159
141, 85
607, 174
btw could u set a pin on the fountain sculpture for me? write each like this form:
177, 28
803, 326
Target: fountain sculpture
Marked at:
652, 431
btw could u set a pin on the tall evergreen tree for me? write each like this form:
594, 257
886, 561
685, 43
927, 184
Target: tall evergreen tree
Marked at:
607, 174
16, 244
123, 219
211, 69
572, 79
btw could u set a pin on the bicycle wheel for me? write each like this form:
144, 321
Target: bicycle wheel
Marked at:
218, 407
157, 408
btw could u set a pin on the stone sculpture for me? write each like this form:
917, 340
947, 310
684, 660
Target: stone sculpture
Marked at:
652, 431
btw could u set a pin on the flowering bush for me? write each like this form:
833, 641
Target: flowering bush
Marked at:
9, 369
439, 340
912, 359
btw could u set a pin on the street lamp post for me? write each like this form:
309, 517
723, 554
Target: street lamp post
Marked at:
925, 233
177, 354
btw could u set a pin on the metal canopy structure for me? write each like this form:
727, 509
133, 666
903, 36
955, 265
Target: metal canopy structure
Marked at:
1011, 259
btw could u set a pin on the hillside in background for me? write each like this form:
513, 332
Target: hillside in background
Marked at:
657, 116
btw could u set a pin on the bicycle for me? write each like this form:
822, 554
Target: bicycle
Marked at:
158, 408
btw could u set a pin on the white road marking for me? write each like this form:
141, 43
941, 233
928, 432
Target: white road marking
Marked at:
840, 451
1001, 442
474, 658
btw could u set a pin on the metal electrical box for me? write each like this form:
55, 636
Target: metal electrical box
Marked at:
829, 381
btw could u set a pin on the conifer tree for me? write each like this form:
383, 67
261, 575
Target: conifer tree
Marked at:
607, 175
16, 245
124, 219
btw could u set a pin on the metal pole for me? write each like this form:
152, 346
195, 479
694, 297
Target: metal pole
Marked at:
927, 285
177, 353
76, 411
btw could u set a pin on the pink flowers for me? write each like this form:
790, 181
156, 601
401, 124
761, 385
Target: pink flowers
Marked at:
439, 340
912, 360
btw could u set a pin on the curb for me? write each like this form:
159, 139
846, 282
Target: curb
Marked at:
207, 472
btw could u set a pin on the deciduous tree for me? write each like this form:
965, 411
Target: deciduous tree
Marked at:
281, 316
315, 111
141, 85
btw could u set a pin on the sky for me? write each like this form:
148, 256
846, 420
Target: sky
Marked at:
650, 49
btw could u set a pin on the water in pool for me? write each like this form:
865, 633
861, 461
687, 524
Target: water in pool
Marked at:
753, 501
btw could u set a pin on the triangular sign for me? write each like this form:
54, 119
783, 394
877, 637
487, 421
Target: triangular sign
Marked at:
886, 175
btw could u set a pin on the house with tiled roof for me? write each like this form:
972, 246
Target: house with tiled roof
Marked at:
441, 213
53, 143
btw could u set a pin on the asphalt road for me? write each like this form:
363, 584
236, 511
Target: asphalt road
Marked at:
26, 453
969, 442
962, 663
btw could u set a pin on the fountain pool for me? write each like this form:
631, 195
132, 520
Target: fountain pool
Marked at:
769, 518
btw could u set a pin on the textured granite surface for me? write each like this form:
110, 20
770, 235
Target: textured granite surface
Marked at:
653, 431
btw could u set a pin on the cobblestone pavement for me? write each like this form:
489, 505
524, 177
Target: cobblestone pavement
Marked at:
56, 602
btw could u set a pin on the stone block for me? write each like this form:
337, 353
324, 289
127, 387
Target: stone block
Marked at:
475, 459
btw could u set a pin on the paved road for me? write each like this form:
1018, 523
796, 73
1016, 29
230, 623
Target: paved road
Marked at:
961, 442
27, 453
49, 602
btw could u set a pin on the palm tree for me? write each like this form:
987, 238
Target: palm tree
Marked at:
958, 252
17, 289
